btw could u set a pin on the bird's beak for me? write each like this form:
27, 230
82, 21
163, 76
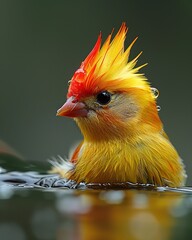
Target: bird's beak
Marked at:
72, 108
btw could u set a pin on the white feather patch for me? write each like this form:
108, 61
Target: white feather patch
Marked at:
61, 164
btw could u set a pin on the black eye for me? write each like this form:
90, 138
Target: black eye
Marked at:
104, 97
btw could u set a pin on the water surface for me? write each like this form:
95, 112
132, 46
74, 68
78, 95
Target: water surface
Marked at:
37, 205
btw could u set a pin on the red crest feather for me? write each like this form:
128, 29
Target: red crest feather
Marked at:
107, 67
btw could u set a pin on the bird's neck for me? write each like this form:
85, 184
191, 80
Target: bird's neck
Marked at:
104, 132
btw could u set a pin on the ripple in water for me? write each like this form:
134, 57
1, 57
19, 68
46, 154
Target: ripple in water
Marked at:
53, 181
24, 178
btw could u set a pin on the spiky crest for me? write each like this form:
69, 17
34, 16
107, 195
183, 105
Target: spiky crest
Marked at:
107, 67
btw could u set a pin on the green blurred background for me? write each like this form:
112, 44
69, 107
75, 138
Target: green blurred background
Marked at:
42, 43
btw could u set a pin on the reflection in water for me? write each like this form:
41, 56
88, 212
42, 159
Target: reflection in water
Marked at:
34, 206
10, 231
128, 215
91, 214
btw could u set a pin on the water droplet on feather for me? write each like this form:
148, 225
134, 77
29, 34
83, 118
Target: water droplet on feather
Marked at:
155, 92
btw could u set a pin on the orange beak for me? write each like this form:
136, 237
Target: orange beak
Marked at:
72, 108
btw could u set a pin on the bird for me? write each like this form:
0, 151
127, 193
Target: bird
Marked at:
116, 109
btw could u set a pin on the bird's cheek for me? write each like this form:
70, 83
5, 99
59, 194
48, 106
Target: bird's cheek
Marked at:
73, 108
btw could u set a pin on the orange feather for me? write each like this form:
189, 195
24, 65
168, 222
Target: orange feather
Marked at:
115, 109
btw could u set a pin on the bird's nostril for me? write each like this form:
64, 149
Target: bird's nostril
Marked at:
74, 100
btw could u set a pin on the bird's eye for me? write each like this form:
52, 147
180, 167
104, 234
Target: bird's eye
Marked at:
103, 97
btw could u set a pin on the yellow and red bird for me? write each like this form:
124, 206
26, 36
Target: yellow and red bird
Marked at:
115, 109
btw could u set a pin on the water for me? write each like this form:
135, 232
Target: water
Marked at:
37, 205
155, 92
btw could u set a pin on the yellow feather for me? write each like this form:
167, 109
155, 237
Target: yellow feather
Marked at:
123, 140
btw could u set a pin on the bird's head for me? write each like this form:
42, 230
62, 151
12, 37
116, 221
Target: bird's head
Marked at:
107, 96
